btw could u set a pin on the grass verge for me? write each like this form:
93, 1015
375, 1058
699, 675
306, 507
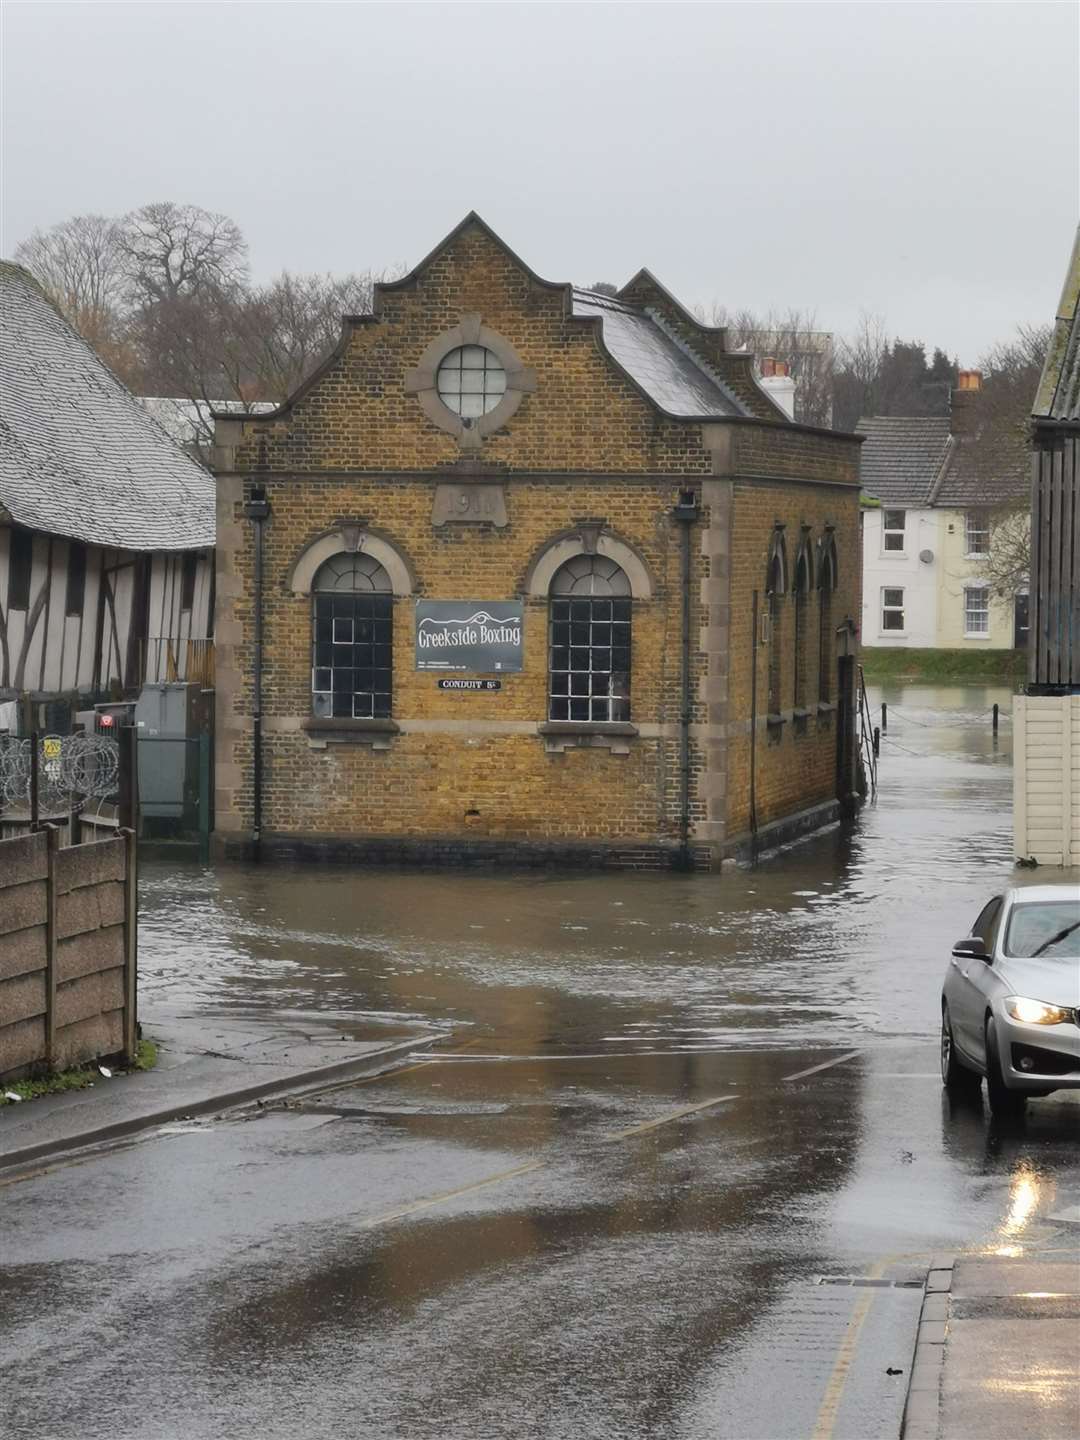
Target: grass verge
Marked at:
944, 667
80, 1078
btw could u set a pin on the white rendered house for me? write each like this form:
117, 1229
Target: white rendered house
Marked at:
926, 537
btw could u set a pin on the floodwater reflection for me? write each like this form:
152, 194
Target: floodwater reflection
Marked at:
837, 939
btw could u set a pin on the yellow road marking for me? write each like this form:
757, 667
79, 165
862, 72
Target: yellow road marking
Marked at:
667, 1119
834, 1390
433, 1200
825, 1065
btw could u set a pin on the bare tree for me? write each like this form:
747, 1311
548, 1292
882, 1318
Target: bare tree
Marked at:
998, 448
294, 322
175, 250
80, 266
793, 338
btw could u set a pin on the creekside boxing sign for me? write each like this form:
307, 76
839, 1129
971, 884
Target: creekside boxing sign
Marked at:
479, 635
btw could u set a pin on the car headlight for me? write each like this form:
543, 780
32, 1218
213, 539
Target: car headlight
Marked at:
1034, 1012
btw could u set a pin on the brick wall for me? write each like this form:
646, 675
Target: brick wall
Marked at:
66, 966
354, 448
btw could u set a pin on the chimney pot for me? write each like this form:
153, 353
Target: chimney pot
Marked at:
768, 366
969, 380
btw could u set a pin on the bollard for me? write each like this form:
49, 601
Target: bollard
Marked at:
884, 718
877, 741
995, 721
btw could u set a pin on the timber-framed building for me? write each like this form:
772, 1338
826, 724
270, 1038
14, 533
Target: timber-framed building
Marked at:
106, 526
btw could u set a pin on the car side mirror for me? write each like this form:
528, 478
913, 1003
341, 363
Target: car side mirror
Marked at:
972, 947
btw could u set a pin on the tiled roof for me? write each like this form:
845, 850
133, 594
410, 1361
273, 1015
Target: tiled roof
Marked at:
976, 473
1058, 396
902, 456
674, 380
78, 455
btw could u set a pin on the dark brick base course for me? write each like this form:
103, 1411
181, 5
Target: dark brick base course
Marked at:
454, 853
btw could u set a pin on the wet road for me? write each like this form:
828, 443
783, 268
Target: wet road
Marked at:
669, 1115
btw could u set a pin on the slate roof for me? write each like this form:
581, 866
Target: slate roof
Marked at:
1058, 395
674, 380
79, 456
902, 457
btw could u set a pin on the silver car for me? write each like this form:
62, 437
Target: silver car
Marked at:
1010, 1005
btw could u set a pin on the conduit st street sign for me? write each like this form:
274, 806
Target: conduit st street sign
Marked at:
478, 635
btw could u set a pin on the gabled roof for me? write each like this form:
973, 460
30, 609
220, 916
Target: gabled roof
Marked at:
903, 457
975, 475
79, 456
1058, 395
674, 381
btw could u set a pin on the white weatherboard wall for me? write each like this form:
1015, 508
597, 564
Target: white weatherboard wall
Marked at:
1046, 778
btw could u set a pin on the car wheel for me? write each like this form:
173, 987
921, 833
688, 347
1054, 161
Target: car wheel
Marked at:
1003, 1101
954, 1076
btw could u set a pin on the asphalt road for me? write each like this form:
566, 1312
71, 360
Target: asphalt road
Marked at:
671, 1121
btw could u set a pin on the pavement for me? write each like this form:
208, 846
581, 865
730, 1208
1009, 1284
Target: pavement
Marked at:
206, 1063
998, 1350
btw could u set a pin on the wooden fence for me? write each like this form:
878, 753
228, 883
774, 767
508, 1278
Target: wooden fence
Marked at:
68, 952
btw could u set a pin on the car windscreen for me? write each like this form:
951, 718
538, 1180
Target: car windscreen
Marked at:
1050, 928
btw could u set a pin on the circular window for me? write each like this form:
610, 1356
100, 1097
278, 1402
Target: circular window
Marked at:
471, 381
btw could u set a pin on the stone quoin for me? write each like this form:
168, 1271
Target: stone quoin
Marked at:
684, 560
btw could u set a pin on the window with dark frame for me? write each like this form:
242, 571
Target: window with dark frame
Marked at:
802, 597
75, 595
187, 579
827, 579
352, 629
20, 567
471, 381
589, 633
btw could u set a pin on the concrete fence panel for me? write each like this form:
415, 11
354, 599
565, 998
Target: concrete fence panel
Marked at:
68, 924
1046, 778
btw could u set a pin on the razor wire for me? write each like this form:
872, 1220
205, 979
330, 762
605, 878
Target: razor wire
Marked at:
71, 770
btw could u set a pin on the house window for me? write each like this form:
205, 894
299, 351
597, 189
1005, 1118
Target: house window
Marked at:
977, 531
827, 581
76, 579
352, 621
471, 381
976, 610
589, 670
892, 610
20, 564
892, 529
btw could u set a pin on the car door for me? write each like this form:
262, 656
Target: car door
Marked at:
971, 980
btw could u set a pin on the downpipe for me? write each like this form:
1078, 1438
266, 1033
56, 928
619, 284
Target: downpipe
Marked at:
684, 513
257, 510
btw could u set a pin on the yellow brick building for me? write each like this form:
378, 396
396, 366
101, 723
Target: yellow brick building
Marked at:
531, 574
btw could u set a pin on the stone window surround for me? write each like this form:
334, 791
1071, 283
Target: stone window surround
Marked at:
350, 537
421, 381
588, 537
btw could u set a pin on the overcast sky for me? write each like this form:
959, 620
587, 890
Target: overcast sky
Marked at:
916, 161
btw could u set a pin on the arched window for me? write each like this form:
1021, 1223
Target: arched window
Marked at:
352, 620
775, 588
827, 577
804, 580
589, 629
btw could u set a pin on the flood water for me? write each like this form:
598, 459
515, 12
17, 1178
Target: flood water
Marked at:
842, 937
671, 1119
